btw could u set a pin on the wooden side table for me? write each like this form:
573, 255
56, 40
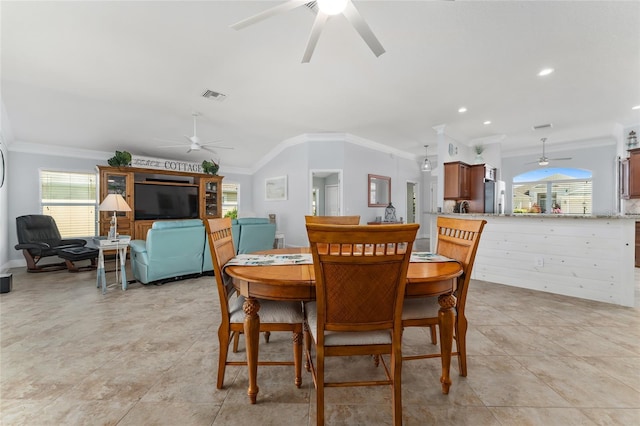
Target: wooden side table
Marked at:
120, 247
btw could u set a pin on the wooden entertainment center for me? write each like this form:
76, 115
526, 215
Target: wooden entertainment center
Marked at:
124, 180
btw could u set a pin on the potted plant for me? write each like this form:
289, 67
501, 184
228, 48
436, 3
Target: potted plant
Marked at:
210, 167
122, 158
479, 149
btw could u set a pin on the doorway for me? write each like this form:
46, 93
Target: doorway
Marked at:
411, 202
326, 192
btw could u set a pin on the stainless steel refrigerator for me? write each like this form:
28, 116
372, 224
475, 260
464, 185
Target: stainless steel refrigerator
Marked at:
494, 197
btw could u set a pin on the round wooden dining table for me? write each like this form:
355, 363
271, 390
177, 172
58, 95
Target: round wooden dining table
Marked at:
297, 282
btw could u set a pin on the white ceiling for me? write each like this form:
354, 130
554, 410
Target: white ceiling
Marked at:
118, 75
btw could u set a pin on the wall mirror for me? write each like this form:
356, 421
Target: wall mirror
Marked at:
379, 191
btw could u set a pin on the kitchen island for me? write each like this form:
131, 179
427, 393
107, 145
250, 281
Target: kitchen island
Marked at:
590, 257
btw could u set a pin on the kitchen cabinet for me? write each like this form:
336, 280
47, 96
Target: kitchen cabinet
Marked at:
477, 176
457, 181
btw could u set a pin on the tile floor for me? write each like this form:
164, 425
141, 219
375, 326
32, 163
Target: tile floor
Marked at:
72, 356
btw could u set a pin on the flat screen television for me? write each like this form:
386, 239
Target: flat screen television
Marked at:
158, 201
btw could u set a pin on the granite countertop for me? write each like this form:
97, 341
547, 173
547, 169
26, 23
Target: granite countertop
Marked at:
540, 216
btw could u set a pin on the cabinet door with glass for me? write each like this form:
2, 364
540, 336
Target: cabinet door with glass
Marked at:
114, 181
211, 197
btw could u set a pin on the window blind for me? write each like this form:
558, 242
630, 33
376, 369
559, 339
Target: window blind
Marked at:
70, 198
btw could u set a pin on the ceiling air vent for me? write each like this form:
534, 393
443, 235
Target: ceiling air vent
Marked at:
210, 94
313, 6
543, 126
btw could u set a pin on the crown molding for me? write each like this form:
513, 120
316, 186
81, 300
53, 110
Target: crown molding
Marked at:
331, 137
59, 151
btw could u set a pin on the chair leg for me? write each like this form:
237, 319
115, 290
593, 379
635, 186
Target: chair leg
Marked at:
461, 344
223, 339
319, 386
297, 357
32, 264
434, 335
267, 334
396, 374
236, 340
307, 347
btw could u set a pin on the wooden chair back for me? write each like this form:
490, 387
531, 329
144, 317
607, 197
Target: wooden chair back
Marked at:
360, 275
333, 220
458, 239
222, 250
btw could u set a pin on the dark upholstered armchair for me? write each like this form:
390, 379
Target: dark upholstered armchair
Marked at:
38, 237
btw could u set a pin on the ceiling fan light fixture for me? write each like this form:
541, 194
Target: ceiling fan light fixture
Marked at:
426, 164
332, 7
545, 72
543, 162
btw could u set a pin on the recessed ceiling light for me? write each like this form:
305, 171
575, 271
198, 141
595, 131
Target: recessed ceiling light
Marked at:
636, 107
545, 71
462, 109
487, 122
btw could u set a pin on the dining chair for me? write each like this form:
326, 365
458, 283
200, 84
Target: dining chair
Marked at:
360, 274
333, 220
274, 315
457, 239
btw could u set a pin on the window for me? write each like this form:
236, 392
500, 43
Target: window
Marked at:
70, 198
554, 191
230, 198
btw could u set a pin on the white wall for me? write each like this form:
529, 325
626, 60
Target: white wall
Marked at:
24, 186
337, 152
600, 158
6, 138
588, 258
4, 211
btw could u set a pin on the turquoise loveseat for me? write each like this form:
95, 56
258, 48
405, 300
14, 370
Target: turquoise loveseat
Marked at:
179, 248
173, 248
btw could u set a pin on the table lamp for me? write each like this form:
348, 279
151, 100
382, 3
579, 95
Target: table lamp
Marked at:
114, 203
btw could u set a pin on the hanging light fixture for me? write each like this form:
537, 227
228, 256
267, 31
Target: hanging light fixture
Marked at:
632, 139
426, 164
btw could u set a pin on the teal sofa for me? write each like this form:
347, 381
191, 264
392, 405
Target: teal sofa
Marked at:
173, 249
251, 234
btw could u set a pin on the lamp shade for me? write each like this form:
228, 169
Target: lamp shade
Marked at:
114, 203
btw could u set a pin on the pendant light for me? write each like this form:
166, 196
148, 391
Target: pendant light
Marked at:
426, 165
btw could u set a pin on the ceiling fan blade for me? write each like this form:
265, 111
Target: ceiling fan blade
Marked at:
173, 146
533, 162
318, 24
361, 26
209, 149
216, 145
563, 158
284, 7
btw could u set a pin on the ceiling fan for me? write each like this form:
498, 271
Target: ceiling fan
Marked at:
544, 160
194, 141
324, 10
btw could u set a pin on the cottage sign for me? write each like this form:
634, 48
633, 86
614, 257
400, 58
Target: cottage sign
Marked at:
161, 164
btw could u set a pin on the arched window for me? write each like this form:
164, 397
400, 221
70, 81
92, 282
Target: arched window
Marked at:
553, 190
